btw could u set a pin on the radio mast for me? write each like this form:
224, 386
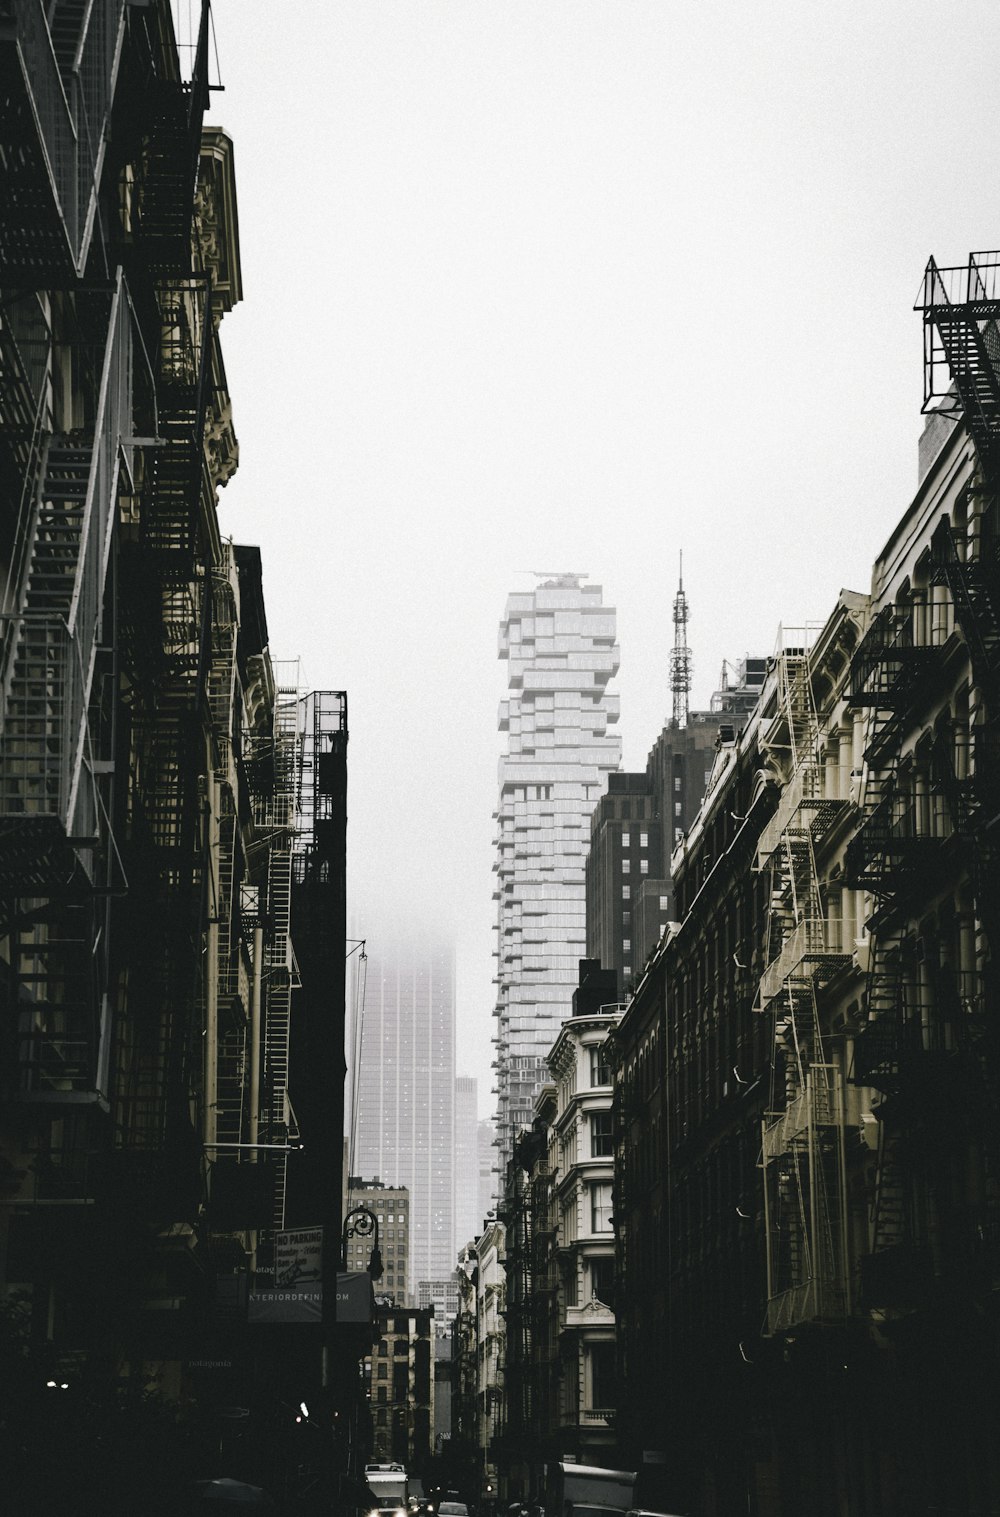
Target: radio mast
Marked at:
680, 656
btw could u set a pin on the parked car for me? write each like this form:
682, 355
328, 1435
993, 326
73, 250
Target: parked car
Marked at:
641, 1511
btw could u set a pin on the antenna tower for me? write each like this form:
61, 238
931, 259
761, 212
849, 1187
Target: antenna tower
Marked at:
680, 656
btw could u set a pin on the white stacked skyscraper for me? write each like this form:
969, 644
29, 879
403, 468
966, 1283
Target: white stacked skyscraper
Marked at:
403, 1068
559, 641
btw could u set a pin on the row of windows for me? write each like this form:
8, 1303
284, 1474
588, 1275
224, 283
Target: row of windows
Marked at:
643, 866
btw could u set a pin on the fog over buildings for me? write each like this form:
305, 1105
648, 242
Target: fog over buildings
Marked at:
402, 1074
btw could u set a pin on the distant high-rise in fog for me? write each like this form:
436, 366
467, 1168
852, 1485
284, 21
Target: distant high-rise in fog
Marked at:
403, 1068
468, 1222
487, 1161
559, 640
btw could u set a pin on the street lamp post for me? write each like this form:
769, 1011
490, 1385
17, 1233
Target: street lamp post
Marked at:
362, 1223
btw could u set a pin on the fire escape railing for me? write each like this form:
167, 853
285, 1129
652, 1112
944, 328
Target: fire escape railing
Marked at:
53, 629
60, 93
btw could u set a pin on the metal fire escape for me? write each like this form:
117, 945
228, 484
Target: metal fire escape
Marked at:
166, 634
961, 311
233, 973
281, 821
803, 1157
58, 73
896, 847
56, 735
927, 808
165, 648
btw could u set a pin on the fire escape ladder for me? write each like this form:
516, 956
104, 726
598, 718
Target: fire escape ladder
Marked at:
897, 1270
34, 704
48, 796
25, 349
974, 584
803, 1144
58, 72
233, 1072
888, 1219
278, 963
803, 728
879, 1045
170, 520
164, 203
232, 979
805, 1204
60, 1029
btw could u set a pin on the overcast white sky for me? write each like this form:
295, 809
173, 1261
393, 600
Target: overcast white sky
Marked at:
572, 284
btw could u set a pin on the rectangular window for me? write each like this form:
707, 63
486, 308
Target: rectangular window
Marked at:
677, 808
602, 1280
626, 945
677, 781
626, 893
626, 919
626, 970
625, 840
643, 866
602, 1376
664, 903
600, 1207
644, 840
626, 866
600, 1072
601, 1135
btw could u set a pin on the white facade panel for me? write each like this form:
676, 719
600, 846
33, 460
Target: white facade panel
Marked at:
560, 642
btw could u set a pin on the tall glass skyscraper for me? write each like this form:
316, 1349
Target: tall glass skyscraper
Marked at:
403, 1074
559, 641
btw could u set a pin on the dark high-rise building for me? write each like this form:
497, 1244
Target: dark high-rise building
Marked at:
639, 821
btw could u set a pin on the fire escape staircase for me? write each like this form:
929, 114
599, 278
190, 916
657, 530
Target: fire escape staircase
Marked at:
164, 202
961, 309
889, 855
38, 743
25, 346
58, 73
48, 798
62, 1036
802, 1150
278, 953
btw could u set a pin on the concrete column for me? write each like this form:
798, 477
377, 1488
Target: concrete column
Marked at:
831, 771
940, 615
846, 760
